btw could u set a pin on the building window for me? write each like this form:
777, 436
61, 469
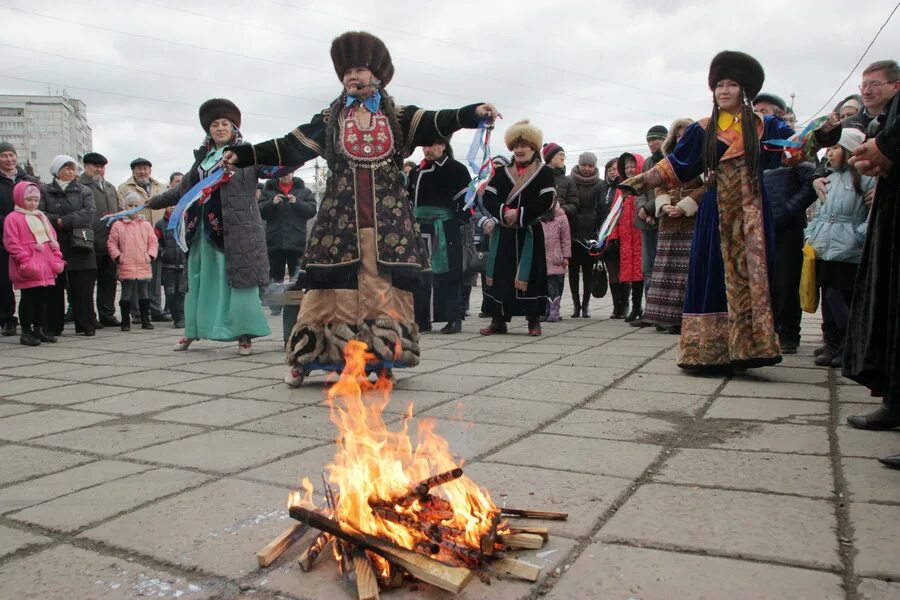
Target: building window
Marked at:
34, 155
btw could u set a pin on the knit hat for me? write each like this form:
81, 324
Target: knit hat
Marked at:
587, 158
657, 132
59, 162
94, 158
524, 131
219, 108
851, 101
550, 150
741, 67
7, 147
361, 49
25, 189
133, 197
851, 138
140, 161
771, 99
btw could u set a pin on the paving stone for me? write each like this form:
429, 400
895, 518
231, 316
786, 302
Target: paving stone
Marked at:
220, 526
876, 589
8, 409
309, 422
876, 528
12, 540
215, 386
312, 391
777, 437
487, 369
223, 367
551, 346
34, 424
101, 502
22, 462
438, 382
867, 444
58, 352
59, 484
786, 374
288, 472
223, 411
10, 362
787, 529
520, 358
72, 394
139, 402
116, 438
13, 387
612, 571
641, 401
561, 392
685, 384
421, 401
223, 451
150, 378
456, 355
662, 366
69, 573
751, 471
613, 426
762, 388
593, 375
586, 455
769, 409
466, 440
584, 497
870, 481
856, 393
523, 414
846, 409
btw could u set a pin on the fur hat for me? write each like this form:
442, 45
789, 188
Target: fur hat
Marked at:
669, 144
362, 49
741, 67
550, 150
657, 132
524, 131
771, 99
219, 108
94, 158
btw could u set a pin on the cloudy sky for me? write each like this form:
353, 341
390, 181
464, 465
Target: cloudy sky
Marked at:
590, 75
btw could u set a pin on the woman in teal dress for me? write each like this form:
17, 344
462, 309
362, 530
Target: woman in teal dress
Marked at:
227, 260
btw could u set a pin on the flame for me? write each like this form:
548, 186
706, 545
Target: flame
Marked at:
374, 463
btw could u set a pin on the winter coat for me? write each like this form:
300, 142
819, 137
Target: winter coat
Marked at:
790, 192
169, 253
6, 196
156, 188
591, 208
838, 229
647, 200
106, 202
30, 264
566, 192
246, 260
557, 242
286, 222
629, 236
75, 206
132, 244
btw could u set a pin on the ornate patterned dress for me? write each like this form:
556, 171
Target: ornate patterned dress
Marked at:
727, 320
363, 256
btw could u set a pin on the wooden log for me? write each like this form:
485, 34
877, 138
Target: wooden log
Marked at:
524, 513
489, 539
366, 583
541, 531
429, 529
276, 547
516, 568
309, 556
529, 541
452, 579
420, 490
467, 556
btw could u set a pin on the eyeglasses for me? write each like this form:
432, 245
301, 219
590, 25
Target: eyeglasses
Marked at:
874, 85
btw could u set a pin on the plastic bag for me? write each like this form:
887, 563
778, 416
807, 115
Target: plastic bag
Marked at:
809, 291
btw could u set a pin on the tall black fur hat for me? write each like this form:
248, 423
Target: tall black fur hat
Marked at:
361, 49
741, 67
219, 108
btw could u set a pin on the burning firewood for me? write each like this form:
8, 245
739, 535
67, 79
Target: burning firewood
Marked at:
452, 579
309, 556
523, 513
418, 491
366, 583
277, 547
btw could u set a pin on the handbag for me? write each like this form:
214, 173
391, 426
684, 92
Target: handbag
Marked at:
809, 291
599, 280
474, 260
82, 240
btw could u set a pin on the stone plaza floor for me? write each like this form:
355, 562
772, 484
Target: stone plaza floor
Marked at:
129, 471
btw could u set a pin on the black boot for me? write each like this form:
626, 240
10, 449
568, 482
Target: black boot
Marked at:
885, 417
44, 337
125, 307
637, 297
620, 300
576, 312
452, 327
9, 328
145, 313
585, 301
27, 338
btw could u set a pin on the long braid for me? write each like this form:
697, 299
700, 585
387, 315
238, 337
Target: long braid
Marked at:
390, 111
710, 147
751, 141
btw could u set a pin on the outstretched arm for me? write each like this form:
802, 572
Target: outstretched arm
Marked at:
292, 150
423, 126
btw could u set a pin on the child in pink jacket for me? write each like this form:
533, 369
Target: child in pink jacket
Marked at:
132, 244
558, 247
34, 261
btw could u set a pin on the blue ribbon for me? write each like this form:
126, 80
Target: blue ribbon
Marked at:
112, 218
483, 168
800, 139
195, 194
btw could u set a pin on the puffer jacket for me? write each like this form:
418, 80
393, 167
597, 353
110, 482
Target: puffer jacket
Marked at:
133, 245
557, 242
592, 206
629, 236
30, 264
566, 192
286, 222
838, 229
74, 207
790, 192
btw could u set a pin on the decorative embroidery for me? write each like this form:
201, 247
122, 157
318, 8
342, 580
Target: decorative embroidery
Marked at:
367, 146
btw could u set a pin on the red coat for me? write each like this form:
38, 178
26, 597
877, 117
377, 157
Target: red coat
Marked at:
629, 236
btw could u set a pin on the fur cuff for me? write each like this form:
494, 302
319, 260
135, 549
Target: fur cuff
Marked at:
661, 201
688, 206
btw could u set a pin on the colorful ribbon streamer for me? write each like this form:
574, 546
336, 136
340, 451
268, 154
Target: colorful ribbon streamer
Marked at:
483, 168
610, 222
796, 143
113, 217
197, 194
